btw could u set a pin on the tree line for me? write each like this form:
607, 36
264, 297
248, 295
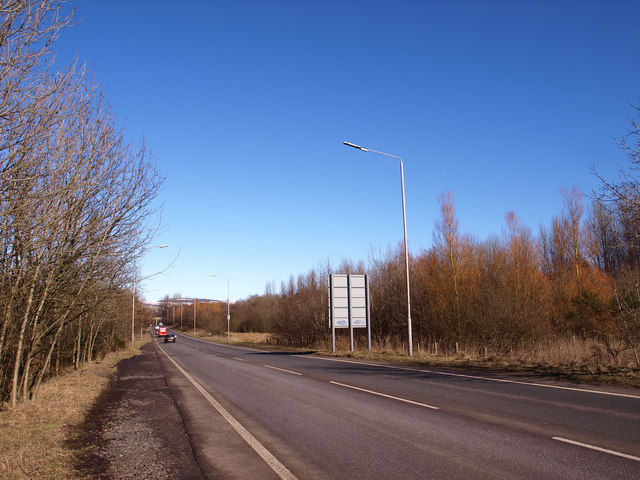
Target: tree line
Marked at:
513, 294
192, 313
75, 207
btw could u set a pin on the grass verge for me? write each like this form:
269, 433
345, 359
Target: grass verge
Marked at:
34, 434
568, 372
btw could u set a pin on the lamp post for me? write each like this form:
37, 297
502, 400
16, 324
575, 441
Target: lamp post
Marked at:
133, 309
228, 305
406, 246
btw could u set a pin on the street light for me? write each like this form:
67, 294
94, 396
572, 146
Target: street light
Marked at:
133, 310
194, 315
228, 306
406, 246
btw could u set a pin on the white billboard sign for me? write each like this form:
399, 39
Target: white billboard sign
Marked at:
349, 304
339, 301
358, 301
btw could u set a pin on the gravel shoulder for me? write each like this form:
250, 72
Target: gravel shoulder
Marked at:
135, 429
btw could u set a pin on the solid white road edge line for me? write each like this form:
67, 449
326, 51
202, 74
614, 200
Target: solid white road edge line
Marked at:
599, 449
478, 377
266, 455
282, 370
386, 396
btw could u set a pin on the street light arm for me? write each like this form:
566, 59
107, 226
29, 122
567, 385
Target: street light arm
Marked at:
218, 276
353, 145
144, 249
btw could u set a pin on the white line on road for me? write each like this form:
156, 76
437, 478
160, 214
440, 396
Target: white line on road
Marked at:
282, 370
282, 471
599, 449
386, 396
478, 377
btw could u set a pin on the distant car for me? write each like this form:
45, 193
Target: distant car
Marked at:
171, 337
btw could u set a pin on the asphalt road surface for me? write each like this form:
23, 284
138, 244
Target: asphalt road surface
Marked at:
264, 414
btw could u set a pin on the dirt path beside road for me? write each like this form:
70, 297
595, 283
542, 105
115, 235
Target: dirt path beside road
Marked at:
135, 429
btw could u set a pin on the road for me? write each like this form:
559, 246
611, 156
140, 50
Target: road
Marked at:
305, 416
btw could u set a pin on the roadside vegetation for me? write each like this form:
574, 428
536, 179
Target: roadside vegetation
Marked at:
563, 300
75, 207
36, 436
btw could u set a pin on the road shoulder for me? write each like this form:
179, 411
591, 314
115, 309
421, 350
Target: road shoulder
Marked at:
135, 429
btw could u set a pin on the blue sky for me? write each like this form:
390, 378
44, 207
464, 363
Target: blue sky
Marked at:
245, 105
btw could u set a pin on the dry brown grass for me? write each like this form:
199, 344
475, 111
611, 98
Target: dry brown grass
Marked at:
256, 338
573, 359
250, 337
34, 434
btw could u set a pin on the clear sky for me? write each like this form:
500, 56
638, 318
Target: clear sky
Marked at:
245, 105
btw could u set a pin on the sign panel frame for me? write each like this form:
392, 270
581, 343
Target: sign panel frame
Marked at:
349, 305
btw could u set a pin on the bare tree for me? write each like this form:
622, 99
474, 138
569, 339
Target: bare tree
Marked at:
603, 238
449, 244
572, 226
76, 199
623, 196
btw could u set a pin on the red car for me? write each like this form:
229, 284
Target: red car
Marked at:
162, 331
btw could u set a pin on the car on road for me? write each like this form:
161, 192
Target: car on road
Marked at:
171, 337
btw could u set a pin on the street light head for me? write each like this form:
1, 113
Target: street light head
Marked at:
212, 275
355, 146
161, 246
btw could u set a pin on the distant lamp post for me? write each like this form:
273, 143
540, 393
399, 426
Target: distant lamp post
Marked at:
133, 310
228, 305
406, 246
194, 316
